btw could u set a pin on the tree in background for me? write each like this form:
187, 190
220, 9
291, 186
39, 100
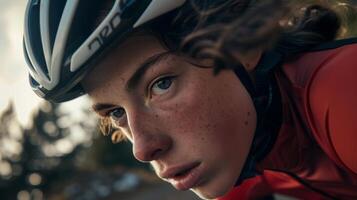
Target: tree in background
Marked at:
56, 147
43, 153
11, 149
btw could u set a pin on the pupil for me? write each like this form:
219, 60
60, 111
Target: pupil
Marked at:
165, 84
117, 113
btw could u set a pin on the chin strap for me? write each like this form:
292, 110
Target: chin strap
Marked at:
267, 101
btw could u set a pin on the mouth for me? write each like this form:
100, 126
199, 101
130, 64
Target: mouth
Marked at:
183, 177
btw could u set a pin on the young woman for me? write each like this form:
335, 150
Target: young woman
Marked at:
237, 99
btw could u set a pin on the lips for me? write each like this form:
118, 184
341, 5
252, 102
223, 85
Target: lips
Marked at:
183, 177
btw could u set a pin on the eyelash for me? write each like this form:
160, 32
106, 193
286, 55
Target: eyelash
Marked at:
157, 81
110, 112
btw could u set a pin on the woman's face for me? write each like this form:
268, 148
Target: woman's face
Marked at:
195, 128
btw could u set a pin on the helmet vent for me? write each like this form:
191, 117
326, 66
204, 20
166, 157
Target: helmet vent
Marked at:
33, 40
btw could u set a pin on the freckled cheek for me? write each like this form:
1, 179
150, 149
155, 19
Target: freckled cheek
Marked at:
200, 120
216, 123
192, 121
181, 120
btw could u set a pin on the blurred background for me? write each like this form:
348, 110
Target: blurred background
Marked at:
52, 151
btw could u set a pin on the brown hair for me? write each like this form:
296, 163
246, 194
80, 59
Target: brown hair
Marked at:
216, 30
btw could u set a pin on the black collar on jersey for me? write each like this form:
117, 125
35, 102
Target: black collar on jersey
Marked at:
267, 101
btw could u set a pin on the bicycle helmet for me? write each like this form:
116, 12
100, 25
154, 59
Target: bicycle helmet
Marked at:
60, 45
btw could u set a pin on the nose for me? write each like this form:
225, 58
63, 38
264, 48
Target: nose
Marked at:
150, 142
147, 148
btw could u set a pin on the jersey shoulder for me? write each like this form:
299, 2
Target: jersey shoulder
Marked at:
332, 102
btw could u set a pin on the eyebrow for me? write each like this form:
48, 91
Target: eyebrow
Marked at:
143, 68
135, 79
102, 106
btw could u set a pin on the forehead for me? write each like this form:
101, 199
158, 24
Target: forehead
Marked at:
122, 61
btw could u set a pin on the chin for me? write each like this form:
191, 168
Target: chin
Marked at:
209, 194
204, 196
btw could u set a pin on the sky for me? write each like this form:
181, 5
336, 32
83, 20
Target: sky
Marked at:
13, 72
14, 87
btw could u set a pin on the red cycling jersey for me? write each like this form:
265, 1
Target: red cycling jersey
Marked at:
315, 154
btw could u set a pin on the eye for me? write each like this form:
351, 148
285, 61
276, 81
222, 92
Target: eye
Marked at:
162, 85
116, 114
